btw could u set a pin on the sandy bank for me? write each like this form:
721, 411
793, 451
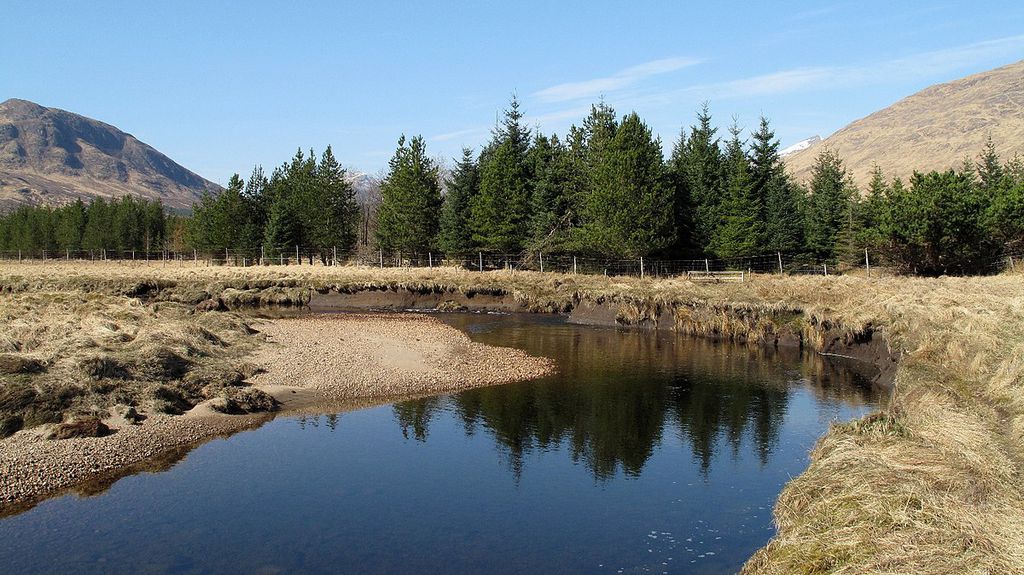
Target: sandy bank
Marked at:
311, 363
353, 356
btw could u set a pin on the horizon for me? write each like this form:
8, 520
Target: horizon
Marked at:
265, 71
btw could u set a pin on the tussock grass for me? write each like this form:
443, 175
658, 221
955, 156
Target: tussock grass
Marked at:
87, 352
931, 485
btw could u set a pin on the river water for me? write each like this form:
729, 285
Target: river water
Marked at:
646, 453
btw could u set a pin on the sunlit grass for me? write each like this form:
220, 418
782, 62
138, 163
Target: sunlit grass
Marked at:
933, 485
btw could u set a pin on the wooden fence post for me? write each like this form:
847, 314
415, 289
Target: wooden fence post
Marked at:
573, 265
298, 260
780, 262
430, 260
707, 266
541, 254
867, 262
825, 265
481, 260
641, 267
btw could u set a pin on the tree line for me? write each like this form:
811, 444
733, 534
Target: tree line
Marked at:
605, 189
121, 224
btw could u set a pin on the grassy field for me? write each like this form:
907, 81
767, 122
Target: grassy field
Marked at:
932, 485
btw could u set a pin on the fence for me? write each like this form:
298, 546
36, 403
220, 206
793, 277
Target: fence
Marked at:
777, 263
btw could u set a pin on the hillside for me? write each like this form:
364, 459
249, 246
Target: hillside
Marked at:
51, 156
934, 129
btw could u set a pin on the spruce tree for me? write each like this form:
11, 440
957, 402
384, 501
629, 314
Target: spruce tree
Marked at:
741, 231
704, 177
501, 209
872, 211
783, 220
550, 202
629, 210
828, 205
456, 236
408, 218
334, 224
683, 206
989, 168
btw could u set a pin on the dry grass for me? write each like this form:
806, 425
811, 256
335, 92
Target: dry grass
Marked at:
87, 352
933, 485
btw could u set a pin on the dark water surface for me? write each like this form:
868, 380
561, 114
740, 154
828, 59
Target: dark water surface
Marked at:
646, 453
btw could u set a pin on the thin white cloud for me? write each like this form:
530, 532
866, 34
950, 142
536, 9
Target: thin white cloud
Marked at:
617, 81
922, 65
557, 116
459, 134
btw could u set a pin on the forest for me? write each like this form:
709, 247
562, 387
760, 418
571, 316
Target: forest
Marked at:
605, 189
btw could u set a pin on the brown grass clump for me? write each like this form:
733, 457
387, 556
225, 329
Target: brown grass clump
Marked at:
75, 353
931, 485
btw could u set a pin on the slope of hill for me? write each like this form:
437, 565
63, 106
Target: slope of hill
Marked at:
50, 156
934, 129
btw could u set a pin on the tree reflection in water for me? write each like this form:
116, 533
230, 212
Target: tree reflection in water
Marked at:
618, 392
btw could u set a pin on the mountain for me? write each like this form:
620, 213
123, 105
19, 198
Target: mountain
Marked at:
800, 146
51, 156
366, 187
934, 129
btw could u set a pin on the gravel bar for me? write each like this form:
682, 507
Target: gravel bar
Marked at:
322, 358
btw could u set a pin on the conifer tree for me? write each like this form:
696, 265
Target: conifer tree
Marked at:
703, 176
629, 210
456, 235
742, 226
334, 223
550, 203
990, 169
408, 218
783, 220
501, 209
872, 211
828, 205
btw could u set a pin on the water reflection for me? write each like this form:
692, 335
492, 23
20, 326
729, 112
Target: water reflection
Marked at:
646, 453
619, 392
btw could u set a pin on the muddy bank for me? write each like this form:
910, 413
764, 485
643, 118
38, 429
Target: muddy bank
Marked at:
404, 299
866, 349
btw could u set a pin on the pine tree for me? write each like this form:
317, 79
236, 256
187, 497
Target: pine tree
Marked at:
408, 219
456, 235
629, 210
828, 205
501, 209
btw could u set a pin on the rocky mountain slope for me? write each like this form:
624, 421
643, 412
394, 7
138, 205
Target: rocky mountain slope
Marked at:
51, 156
934, 129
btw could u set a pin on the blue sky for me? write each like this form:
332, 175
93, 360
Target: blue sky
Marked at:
221, 86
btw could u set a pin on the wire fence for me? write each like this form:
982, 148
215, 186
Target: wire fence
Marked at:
703, 268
